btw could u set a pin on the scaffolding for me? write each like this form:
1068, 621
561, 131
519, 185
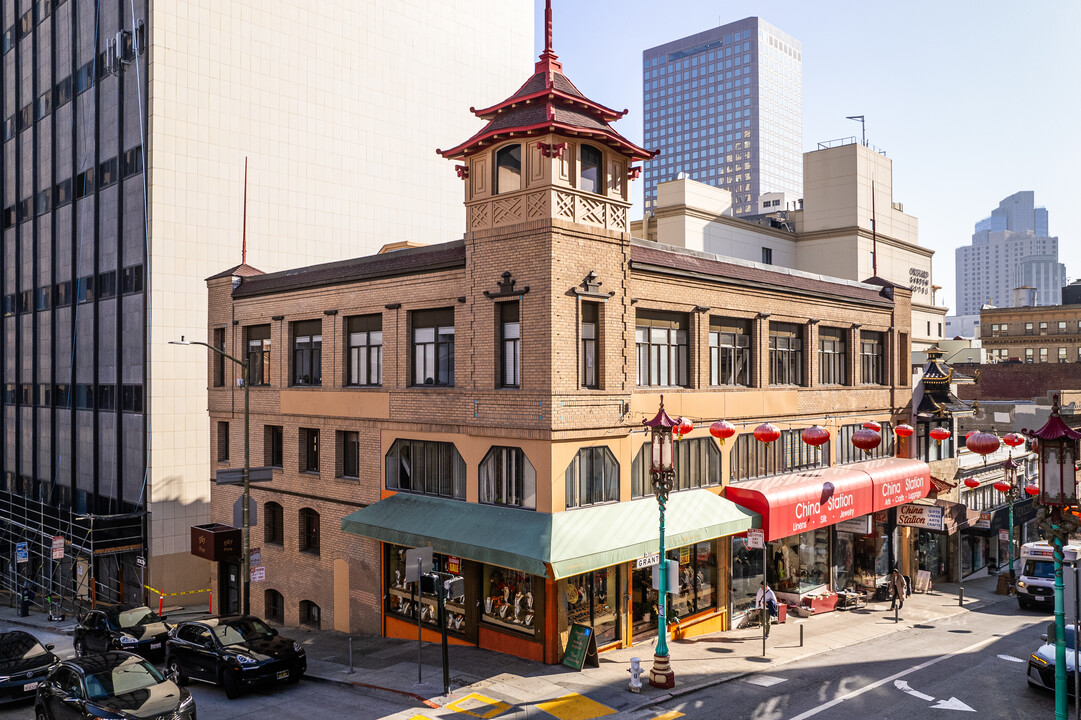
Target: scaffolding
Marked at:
102, 563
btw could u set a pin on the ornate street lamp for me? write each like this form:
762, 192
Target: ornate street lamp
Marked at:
662, 475
1011, 490
1058, 451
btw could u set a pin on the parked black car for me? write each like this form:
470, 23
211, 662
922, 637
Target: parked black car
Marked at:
135, 629
24, 662
233, 652
1040, 670
111, 686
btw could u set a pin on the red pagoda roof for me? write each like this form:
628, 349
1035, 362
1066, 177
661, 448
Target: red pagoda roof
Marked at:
547, 102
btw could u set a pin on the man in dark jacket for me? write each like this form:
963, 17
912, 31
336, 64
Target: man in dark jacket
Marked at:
896, 585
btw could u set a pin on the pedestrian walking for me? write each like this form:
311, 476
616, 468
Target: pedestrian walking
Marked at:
766, 602
897, 590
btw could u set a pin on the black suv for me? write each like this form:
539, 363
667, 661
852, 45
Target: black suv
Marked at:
24, 662
112, 686
233, 652
134, 629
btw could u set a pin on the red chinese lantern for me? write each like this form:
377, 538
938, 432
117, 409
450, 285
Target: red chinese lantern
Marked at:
866, 439
940, 434
1032, 489
872, 425
969, 434
1002, 486
767, 433
972, 482
815, 435
903, 430
1014, 439
981, 443
722, 430
683, 427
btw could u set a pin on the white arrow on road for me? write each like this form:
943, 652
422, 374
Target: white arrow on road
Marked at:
951, 704
903, 687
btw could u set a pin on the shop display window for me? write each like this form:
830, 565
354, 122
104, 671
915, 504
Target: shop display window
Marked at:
697, 578
509, 601
800, 563
592, 599
747, 574
931, 553
401, 598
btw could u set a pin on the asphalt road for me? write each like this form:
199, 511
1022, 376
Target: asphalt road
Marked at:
288, 702
974, 663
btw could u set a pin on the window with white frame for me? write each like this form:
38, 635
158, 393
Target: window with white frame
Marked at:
433, 347
785, 354
729, 351
832, 361
365, 337
872, 358
510, 330
507, 478
590, 358
308, 352
661, 348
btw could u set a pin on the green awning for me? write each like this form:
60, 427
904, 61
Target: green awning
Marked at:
553, 545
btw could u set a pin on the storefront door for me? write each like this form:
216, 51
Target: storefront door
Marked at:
593, 599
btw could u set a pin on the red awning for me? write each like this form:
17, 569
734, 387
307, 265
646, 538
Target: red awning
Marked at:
798, 502
896, 480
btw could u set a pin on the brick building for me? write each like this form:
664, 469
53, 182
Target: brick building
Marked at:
1036, 334
485, 397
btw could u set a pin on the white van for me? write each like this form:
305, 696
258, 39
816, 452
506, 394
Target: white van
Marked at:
1036, 582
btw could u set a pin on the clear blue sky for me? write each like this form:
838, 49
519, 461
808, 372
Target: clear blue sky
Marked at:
973, 101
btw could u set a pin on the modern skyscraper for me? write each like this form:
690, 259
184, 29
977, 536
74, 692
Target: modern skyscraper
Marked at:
725, 106
126, 130
1011, 248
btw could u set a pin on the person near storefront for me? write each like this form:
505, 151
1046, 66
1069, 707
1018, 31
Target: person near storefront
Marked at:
766, 603
897, 590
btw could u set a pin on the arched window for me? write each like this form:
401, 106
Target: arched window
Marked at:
309, 614
508, 478
273, 530
309, 531
508, 169
592, 477
591, 169
274, 606
698, 464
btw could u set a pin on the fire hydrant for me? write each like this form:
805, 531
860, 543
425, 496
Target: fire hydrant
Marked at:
636, 675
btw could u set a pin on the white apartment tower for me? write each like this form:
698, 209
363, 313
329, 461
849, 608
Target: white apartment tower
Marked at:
1011, 248
725, 108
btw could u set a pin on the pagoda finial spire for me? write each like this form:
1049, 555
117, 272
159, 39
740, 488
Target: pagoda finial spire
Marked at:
548, 59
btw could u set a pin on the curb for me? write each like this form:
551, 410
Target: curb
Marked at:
60, 630
342, 682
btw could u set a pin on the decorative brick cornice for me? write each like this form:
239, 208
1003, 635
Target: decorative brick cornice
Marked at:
506, 288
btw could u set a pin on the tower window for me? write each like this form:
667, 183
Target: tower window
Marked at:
508, 169
591, 169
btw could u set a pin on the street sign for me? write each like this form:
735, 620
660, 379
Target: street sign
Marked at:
238, 513
258, 574
756, 539
424, 555
235, 476
22, 553
255, 557
140, 561
58, 547
647, 561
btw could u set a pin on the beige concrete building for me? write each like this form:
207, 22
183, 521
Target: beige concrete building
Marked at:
830, 233
1040, 334
127, 127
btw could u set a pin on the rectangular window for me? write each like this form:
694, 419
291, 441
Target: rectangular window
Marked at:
1043, 355
131, 163
849, 453
433, 347
274, 524
223, 442
62, 294
309, 450
350, 449
63, 91
661, 345
831, 357
785, 354
1043, 328
84, 397
767, 256
510, 336
107, 284
257, 339
308, 352
61, 394
589, 372
107, 173
1061, 327
365, 363
751, 459
928, 449
216, 359
131, 398
1062, 355
872, 358
1028, 329
44, 298
274, 445
430, 468
729, 351
62, 193
84, 183
507, 477
131, 279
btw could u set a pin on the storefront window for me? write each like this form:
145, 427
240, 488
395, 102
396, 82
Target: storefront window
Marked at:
932, 553
643, 602
401, 595
592, 599
800, 563
509, 601
697, 578
860, 554
747, 568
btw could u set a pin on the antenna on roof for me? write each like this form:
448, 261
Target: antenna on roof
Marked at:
244, 227
874, 234
863, 126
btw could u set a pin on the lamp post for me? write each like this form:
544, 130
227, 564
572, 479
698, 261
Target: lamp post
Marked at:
662, 475
245, 543
1058, 449
1011, 491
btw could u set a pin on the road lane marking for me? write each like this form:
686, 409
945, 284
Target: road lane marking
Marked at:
764, 680
1010, 658
896, 676
669, 715
904, 687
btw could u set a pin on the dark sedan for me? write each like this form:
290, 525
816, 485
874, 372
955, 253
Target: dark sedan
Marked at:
134, 629
111, 686
1041, 664
24, 662
233, 652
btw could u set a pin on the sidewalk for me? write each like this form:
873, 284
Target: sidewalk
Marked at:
485, 682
